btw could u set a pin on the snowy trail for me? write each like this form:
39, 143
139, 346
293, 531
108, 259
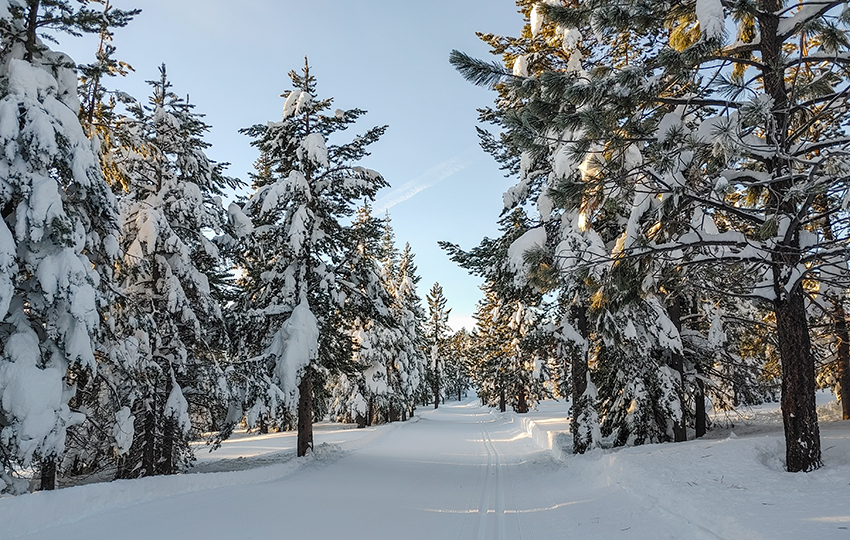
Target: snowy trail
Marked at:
460, 473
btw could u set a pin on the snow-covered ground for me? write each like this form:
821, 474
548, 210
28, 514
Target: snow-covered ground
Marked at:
465, 472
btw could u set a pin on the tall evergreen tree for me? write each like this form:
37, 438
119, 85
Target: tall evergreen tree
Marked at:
170, 305
59, 224
437, 335
300, 297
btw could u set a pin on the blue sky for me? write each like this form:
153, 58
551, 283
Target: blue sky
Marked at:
387, 57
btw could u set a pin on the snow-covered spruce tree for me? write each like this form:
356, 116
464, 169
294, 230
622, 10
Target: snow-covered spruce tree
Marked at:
505, 360
59, 225
407, 311
169, 308
436, 337
374, 336
93, 446
506, 366
457, 377
299, 296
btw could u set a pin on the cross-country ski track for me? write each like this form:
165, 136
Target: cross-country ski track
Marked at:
462, 472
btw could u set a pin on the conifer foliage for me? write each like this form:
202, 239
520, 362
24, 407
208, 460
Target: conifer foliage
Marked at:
437, 339
170, 308
299, 290
670, 145
59, 221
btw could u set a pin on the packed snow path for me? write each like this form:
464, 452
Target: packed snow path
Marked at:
460, 472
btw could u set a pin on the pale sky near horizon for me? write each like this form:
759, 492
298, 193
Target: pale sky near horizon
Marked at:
389, 58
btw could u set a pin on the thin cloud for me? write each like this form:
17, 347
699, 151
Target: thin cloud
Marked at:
429, 178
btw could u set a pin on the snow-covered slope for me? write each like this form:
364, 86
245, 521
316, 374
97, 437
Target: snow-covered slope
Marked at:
469, 473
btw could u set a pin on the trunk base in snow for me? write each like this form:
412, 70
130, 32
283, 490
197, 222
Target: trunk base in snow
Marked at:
305, 415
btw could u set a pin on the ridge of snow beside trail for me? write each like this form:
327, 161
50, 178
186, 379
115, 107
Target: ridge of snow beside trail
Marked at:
734, 487
80, 502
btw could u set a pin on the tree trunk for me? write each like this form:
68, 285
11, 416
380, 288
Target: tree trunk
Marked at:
522, 402
700, 423
166, 459
799, 413
360, 420
436, 396
842, 336
680, 431
502, 400
48, 474
305, 414
262, 425
169, 428
149, 440
802, 436
32, 29
578, 374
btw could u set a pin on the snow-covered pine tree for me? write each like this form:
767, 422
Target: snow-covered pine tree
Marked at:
487, 352
510, 310
738, 140
169, 310
407, 310
761, 147
436, 336
298, 300
374, 336
506, 367
457, 379
59, 224
561, 168
94, 444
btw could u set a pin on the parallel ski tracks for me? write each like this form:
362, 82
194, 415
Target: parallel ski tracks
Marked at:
494, 490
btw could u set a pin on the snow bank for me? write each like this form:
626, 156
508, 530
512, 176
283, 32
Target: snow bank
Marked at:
726, 484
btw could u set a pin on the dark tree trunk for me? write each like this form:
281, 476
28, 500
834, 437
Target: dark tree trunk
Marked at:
32, 29
48, 474
392, 415
149, 441
522, 402
360, 420
305, 414
503, 405
404, 414
169, 428
578, 374
412, 409
680, 431
370, 412
802, 435
436, 396
459, 397
262, 425
166, 460
799, 413
842, 336
700, 422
